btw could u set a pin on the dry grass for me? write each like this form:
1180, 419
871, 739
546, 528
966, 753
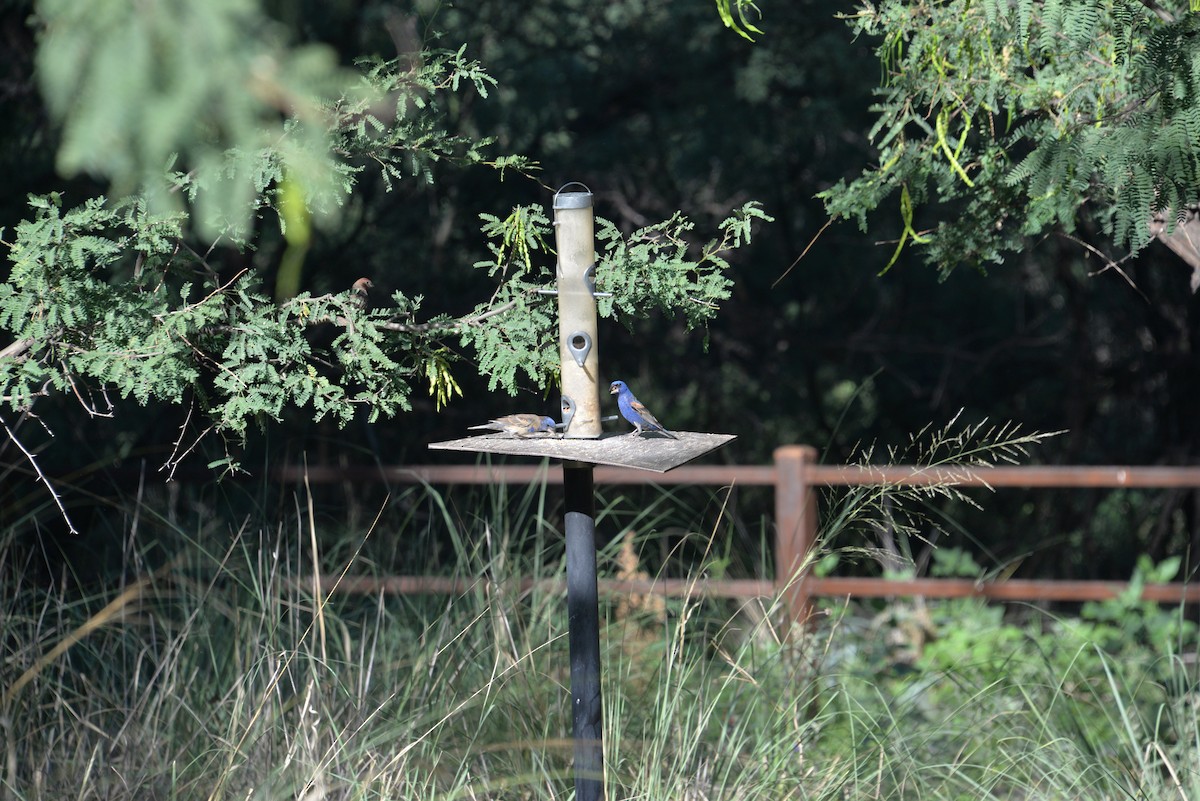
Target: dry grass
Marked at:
224, 674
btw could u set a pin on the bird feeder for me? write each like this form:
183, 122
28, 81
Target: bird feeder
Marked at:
574, 238
583, 445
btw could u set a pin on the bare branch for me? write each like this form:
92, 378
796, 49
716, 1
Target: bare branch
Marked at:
803, 253
90, 408
176, 457
16, 349
1159, 11
42, 476
1109, 264
209, 296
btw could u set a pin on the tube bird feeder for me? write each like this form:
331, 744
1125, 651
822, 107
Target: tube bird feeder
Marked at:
574, 237
583, 445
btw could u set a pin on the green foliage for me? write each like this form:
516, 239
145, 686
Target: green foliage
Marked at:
963, 699
970, 633
999, 121
653, 267
213, 128
218, 94
397, 124
1124, 623
74, 322
742, 25
105, 298
207, 86
109, 298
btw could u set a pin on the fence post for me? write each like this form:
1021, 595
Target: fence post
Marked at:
795, 528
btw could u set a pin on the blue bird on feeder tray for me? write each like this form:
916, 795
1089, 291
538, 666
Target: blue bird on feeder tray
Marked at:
635, 411
520, 425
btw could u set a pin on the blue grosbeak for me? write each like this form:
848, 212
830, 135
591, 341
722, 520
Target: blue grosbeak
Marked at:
520, 425
635, 411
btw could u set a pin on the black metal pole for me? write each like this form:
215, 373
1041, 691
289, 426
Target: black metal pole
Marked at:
583, 617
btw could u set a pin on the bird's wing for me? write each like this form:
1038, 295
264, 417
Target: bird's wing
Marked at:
505, 422
641, 409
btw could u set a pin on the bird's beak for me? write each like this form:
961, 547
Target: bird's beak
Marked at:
612, 390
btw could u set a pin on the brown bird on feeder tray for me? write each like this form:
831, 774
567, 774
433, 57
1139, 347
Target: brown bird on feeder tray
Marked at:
358, 293
520, 425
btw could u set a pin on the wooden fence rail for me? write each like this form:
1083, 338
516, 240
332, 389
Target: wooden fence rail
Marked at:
795, 476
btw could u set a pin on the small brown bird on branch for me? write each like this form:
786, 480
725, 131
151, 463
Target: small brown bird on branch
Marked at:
358, 293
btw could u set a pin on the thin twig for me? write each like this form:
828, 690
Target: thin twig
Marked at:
201, 259
420, 328
807, 247
209, 296
90, 408
1109, 264
37, 469
176, 457
468, 321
